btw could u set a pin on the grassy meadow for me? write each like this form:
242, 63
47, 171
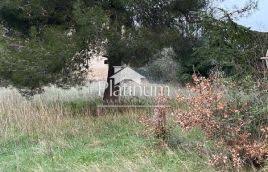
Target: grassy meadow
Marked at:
38, 135
59, 131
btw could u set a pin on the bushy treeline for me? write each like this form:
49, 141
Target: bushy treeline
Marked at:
51, 42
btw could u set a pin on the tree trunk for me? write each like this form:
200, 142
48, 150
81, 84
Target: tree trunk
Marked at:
109, 97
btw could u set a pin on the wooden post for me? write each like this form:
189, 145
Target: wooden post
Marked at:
266, 63
160, 116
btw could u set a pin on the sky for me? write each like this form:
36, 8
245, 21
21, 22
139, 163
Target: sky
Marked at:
258, 20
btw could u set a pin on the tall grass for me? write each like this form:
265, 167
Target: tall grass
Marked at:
58, 130
56, 135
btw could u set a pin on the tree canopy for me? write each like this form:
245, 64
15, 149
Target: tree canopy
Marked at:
50, 42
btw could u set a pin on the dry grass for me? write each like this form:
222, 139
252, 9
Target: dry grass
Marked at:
52, 132
18, 114
40, 135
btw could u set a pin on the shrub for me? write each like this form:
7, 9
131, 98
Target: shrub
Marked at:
163, 68
237, 124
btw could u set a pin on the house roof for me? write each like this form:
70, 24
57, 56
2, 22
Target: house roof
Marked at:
127, 74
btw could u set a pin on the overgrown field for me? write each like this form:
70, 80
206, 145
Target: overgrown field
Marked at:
62, 133
36, 136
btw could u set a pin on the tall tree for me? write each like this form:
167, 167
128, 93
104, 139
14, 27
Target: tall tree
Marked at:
132, 30
49, 41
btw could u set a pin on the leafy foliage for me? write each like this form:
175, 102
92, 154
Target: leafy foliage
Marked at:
40, 62
55, 37
238, 126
